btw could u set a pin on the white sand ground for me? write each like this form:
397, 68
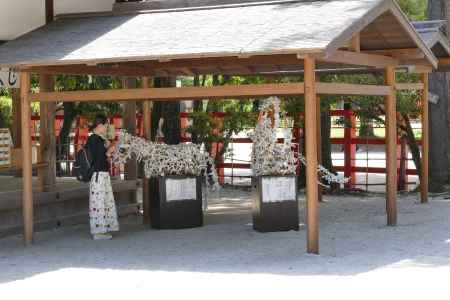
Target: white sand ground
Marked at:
360, 257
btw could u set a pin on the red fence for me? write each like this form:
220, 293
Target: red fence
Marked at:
348, 142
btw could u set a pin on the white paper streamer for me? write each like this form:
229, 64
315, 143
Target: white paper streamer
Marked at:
272, 158
162, 159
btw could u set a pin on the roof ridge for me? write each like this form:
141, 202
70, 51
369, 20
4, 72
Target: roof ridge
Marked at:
153, 6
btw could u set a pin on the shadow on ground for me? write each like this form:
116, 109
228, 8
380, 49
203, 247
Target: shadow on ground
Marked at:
354, 240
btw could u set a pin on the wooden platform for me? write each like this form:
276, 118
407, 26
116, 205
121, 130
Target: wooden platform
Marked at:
66, 204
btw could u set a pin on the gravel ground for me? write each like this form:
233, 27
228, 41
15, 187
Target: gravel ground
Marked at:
360, 257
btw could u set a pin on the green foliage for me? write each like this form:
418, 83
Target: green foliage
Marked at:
211, 129
5, 112
370, 107
89, 109
4, 92
414, 9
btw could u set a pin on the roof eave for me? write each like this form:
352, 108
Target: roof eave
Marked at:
404, 21
384, 6
242, 54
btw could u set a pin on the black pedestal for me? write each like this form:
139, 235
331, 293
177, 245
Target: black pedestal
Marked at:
176, 202
275, 204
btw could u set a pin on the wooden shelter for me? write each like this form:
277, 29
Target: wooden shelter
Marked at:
170, 38
432, 33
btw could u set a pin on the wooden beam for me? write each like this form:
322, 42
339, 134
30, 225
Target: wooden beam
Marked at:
147, 120
420, 69
391, 149
444, 62
173, 94
47, 139
361, 59
409, 86
402, 54
425, 141
312, 223
112, 70
27, 176
324, 88
141, 68
355, 43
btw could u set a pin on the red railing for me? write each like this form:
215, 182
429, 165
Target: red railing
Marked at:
349, 143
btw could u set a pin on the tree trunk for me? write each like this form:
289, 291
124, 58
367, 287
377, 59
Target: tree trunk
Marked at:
366, 128
412, 144
70, 114
439, 113
169, 111
325, 123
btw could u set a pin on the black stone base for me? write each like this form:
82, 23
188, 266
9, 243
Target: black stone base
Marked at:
277, 215
174, 214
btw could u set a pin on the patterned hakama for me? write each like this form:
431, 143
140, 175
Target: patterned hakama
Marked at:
102, 208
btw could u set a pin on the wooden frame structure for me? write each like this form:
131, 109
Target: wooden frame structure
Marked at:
310, 88
351, 52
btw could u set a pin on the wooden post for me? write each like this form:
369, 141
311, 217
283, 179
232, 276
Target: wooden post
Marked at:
319, 147
355, 43
311, 157
146, 116
129, 124
425, 140
391, 149
47, 139
27, 192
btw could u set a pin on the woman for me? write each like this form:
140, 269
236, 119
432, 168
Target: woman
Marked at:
102, 208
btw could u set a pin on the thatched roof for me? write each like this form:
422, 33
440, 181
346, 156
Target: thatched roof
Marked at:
276, 27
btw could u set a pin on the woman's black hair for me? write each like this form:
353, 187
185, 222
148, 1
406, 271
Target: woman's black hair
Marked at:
99, 119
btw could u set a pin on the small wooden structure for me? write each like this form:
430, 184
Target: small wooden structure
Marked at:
227, 37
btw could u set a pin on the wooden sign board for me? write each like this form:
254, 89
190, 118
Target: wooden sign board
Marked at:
278, 189
9, 79
181, 189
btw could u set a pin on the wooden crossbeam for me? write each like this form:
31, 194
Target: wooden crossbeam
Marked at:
352, 89
405, 53
113, 70
218, 92
166, 94
145, 68
444, 62
360, 59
